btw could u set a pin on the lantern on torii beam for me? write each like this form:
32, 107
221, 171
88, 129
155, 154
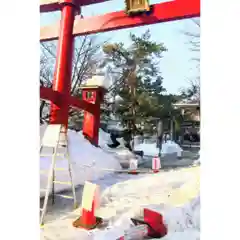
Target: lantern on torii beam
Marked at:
135, 7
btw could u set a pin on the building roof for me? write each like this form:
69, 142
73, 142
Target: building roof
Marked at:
187, 104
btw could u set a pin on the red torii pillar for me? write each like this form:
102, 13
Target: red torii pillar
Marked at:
62, 79
63, 67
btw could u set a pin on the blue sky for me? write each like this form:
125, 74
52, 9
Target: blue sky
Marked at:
176, 65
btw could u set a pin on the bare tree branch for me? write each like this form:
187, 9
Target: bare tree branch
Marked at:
193, 90
86, 59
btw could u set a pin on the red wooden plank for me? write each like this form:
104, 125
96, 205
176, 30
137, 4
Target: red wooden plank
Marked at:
49, 5
56, 97
49, 94
162, 12
82, 105
53, 5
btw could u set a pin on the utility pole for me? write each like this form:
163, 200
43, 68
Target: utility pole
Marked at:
159, 136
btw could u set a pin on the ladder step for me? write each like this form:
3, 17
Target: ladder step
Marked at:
62, 183
59, 195
55, 149
61, 169
64, 196
56, 169
50, 155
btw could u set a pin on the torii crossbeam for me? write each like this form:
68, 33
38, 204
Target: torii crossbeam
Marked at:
71, 26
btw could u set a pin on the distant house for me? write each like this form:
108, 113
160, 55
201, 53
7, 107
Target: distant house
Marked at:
190, 109
190, 127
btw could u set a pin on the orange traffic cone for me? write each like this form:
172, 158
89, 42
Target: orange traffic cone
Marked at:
133, 166
88, 220
133, 172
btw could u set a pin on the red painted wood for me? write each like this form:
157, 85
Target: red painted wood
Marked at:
60, 94
162, 12
82, 105
57, 97
91, 122
63, 68
53, 5
49, 94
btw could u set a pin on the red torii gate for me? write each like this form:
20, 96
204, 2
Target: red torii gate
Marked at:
69, 27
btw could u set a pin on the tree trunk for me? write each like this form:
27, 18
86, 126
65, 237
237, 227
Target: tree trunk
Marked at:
41, 110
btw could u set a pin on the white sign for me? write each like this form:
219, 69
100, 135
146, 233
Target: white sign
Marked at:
90, 194
51, 135
133, 164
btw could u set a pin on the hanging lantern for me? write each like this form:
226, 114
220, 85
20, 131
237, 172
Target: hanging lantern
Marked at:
137, 6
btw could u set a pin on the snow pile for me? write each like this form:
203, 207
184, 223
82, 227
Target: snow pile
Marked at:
174, 194
99, 80
184, 222
121, 152
103, 138
87, 161
186, 235
183, 218
150, 149
197, 162
127, 198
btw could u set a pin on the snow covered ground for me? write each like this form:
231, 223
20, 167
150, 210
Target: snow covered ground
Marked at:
168, 147
149, 149
87, 160
175, 194
121, 153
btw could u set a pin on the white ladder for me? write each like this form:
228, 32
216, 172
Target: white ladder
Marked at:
55, 138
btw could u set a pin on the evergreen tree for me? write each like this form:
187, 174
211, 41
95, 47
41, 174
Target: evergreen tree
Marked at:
137, 80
